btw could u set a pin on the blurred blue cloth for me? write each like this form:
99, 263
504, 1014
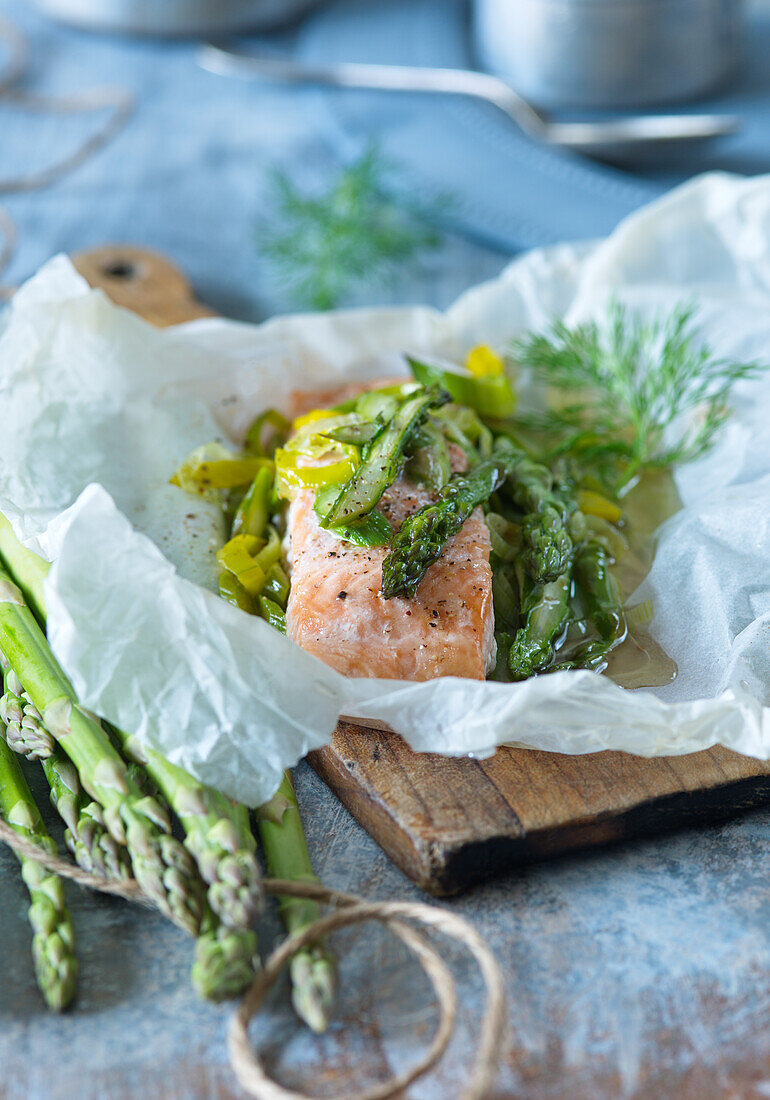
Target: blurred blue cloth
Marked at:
189, 175
508, 190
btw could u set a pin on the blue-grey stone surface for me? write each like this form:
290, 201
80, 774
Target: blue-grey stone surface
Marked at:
641, 971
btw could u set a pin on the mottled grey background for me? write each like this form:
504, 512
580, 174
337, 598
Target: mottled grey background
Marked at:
638, 972
642, 971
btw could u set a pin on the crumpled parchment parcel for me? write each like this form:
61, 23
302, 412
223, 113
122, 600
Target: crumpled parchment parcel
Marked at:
100, 408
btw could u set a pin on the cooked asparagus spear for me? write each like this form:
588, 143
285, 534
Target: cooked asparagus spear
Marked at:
357, 434
548, 546
530, 486
429, 462
217, 833
53, 942
424, 535
603, 601
545, 608
313, 973
382, 458
161, 864
600, 591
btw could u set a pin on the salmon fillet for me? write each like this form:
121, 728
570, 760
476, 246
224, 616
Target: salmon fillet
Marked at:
325, 397
336, 612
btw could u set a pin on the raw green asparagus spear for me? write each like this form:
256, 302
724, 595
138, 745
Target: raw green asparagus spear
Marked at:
601, 593
86, 835
217, 834
424, 535
53, 941
382, 458
545, 608
161, 864
530, 485
23, 727
313, 972
226, 959
28, 569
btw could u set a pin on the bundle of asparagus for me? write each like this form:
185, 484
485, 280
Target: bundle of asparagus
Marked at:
53, 942
117, 802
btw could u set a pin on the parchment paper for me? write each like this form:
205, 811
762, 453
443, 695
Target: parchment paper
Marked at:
99, 408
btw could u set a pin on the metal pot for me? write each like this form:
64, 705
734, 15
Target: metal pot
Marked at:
175, 17
609, 53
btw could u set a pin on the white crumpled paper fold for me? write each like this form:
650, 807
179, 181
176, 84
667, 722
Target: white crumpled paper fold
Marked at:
99, 408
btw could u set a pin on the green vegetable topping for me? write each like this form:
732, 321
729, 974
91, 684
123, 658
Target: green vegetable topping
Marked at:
375, 529
253, 512
381, 459
545, 610
530, 487
429, 462
490, 395
424, 535
603, 603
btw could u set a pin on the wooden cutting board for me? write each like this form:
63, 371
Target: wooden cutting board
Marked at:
448, 823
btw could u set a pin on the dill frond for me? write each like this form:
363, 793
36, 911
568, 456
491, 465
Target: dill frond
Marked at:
631, 394
323, 246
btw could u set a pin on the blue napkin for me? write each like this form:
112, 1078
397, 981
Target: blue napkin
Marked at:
507, 190
188, 176
510, 191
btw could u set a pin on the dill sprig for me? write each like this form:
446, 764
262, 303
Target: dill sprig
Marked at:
631, 394
324, 245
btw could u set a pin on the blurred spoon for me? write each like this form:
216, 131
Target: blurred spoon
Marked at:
614, 139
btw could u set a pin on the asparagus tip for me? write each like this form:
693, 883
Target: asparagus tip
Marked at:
225, 962
314, 984
56, 969
53, 942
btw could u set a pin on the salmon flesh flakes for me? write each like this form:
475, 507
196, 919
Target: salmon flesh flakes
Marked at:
336, 610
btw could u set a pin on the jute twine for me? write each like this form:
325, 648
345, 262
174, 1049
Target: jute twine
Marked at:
118, 102
349, 909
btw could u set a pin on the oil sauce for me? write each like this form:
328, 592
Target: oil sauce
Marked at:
639, 662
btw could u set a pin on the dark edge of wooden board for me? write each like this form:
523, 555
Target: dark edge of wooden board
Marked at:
444, 867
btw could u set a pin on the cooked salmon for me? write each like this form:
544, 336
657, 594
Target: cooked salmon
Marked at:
325, 397
336, 611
